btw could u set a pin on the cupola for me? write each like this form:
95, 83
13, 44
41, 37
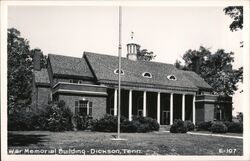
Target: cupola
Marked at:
132, 49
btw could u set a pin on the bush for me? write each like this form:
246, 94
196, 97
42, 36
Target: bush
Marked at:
21, 121
145, 124
206, 126
178, 127
218, 127
189, 124
139, 124
60, 117
82, 122
234, 127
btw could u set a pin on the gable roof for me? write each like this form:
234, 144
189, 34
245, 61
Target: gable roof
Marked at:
69, 66
197, 80
41, 77
104, 65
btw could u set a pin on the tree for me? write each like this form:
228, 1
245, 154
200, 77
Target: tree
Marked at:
20, 67
236, 13
144, 55
216, 69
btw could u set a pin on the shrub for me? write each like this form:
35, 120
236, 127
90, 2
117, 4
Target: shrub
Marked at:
82, 122
178, 127
106, 124
206, 126
21, 121
234, 127
139, 124
218, 127
60, 118
189, 124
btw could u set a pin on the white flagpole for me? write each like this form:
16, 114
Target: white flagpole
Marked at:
119, 73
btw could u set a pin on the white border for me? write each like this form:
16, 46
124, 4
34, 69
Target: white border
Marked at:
4, 6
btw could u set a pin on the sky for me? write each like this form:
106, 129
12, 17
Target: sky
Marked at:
167, 31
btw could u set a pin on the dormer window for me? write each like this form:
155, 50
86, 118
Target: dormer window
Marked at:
147, 75
171, 77
116, 71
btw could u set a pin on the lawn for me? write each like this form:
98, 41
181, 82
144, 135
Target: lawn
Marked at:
96, 143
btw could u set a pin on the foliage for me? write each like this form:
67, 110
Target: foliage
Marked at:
178, 127
218, 127
206, 126
19, 75
83, 122
145, 124
145, 55
60, 117
240, 117
189, 124
236, 13
215, 69
139, 124
234, 127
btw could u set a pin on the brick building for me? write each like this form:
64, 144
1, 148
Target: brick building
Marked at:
89, 85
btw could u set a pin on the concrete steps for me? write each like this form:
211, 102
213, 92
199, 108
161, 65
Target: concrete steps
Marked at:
164, 127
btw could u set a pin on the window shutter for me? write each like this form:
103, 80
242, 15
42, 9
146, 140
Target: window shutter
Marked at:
90, 104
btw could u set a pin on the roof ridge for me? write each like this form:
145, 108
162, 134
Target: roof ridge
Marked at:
152, 62
64, 56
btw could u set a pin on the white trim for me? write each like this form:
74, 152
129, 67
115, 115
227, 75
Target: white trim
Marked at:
143, 74
80, 92
130, 105
194, 112
91, 85
175, 79
122, 71
144, 104
183, 107
171, 108
115, 102
158, 107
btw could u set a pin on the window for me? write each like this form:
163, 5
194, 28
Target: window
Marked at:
71, 81
83, 107
80, 82
116, 71
171, 77
147, 75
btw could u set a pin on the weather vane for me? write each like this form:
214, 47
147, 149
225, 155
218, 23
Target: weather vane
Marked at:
132, 35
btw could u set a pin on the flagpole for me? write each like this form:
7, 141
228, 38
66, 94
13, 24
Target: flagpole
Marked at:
119, 73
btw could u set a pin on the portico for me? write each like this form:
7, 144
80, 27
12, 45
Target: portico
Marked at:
164, 106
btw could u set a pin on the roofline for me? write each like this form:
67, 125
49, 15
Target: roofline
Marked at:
156, 86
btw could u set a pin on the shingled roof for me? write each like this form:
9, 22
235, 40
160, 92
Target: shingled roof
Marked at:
197, 80
104, 65
41, 77
69, 66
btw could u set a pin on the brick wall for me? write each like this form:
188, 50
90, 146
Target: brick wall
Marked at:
43, 96
208, 112
98, 106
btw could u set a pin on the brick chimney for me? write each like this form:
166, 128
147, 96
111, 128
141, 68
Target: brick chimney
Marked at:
197, 63
37, 59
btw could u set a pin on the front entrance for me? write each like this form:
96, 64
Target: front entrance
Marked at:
165, 117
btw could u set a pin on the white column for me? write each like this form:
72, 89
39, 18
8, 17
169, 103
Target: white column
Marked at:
115, 102
130, 106
183, 107
158, 107
144, 103
171, 109
194, 109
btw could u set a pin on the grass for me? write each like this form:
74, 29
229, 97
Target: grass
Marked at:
154, 143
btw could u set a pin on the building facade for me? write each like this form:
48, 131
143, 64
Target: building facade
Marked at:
89, 86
